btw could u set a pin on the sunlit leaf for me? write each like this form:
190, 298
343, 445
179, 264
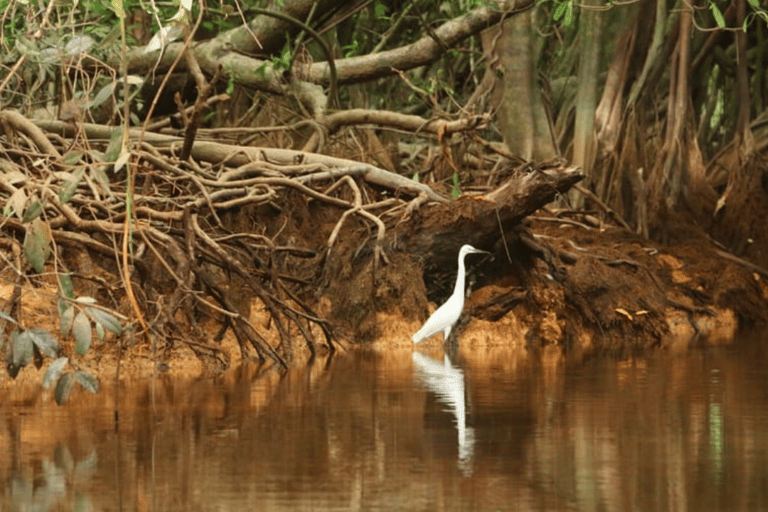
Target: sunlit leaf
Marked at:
21, 345
717, 14
63, 388
86, 300
79, 44
53, 371
104, 319
37, 244
45, 341
87, 380
81, 330
122, 160
163, 36
559, 11
17, 201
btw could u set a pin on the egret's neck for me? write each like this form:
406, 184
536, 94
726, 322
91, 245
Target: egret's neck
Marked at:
459, 289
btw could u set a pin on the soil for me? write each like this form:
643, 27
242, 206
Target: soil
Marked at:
565, 285
285, 271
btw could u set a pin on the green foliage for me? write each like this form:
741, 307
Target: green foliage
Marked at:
79, 316
456, 190
717, 14
37, 246
563, 11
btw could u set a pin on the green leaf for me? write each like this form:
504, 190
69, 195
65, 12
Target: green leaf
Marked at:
32, 212
81, 329
559, 11
70, 187
380, 10
87, 380
53, 371
72, 157
456, 191
63, 388
568, 18
66, 287
104, 319
115, 146
45, 341
36, 244
65, 320
718, 15
21, 345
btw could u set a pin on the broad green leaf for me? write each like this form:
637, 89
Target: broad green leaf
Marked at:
65, 320
21, 345
45, 341
66, 287
37, 244
53, 371
109, 322
99, 331
81, 330
63, 388
87, 380
115, 145
32, 212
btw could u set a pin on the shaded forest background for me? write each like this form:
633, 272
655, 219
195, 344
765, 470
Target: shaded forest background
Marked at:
662, 105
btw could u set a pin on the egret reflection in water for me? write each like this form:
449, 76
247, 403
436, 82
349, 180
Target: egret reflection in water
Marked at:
447, 382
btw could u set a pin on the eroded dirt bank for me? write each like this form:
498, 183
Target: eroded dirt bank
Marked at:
568, 287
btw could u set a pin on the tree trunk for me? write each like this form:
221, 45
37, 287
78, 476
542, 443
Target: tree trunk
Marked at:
522, 118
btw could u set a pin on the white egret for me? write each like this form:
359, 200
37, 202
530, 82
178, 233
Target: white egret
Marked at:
446, 315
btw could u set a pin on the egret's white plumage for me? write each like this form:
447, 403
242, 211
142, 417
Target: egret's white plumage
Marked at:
446, 315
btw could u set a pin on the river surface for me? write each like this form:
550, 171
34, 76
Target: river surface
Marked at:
485, 431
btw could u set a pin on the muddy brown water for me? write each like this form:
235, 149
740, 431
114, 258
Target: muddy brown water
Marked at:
405, 430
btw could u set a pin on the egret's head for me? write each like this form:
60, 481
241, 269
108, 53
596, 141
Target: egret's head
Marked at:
468, 249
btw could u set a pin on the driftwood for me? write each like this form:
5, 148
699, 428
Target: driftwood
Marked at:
437, 231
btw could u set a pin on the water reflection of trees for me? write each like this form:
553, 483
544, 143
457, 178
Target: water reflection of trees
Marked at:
651, 433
